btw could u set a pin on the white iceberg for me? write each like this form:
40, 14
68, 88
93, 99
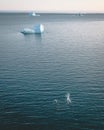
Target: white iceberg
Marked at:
34, 14
38, 29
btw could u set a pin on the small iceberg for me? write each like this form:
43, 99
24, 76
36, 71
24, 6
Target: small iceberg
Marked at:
34, 14
37, 29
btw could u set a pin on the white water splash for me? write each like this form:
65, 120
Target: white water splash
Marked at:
55, 100
68, 98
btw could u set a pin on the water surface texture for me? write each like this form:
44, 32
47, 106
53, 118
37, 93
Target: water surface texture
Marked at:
38, 71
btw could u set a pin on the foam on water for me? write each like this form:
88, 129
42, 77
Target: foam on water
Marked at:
68, 98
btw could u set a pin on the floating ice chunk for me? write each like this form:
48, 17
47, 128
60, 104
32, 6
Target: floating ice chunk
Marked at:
68, 98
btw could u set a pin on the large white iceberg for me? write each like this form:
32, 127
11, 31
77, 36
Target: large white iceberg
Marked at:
37, 29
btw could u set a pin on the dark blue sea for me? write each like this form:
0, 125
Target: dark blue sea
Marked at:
37, 71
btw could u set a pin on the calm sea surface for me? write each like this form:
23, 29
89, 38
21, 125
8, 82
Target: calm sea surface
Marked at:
37, 71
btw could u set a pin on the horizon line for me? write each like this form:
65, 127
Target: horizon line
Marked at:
57, 12
51, 11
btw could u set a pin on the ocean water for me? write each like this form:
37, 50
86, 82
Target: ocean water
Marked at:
38, 71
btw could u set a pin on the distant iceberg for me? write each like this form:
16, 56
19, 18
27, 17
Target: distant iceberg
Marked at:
34, 14
37, 29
